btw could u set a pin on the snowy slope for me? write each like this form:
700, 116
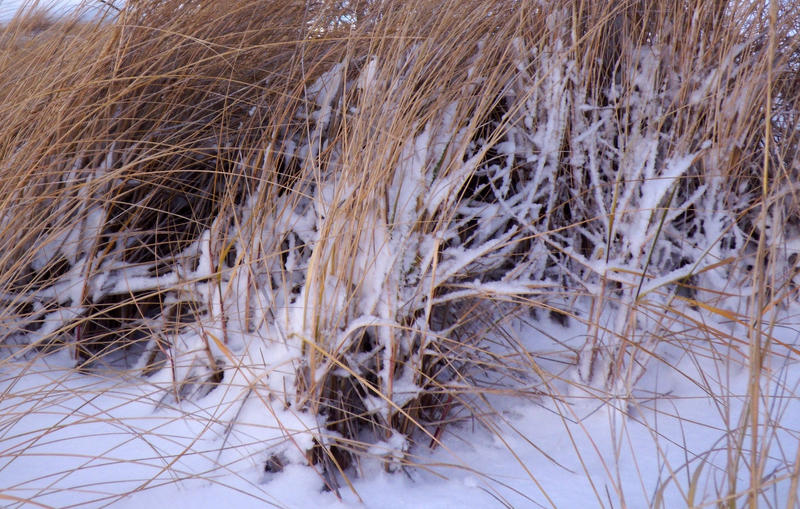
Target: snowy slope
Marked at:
69, 438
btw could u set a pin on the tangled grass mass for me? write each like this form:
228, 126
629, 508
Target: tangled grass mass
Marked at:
369, 227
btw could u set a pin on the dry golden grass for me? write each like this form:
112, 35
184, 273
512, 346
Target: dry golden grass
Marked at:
173, 170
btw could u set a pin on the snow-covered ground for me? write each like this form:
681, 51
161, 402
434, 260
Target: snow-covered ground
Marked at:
68, 438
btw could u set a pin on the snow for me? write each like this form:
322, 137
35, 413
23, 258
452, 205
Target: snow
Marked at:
69, 438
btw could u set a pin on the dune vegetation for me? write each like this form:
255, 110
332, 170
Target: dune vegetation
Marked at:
371, 215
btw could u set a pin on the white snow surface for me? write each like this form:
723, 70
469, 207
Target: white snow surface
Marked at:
69, 439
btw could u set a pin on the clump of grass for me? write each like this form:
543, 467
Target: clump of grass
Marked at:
391, 194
